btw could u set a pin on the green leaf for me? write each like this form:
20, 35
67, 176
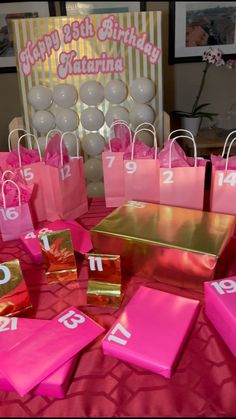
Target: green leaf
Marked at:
201, 106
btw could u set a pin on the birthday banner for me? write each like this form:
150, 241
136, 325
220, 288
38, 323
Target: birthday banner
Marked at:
73, 50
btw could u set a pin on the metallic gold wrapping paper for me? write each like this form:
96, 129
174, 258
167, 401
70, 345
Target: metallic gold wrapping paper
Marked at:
14, 296
177, 245
58, 256
104, 279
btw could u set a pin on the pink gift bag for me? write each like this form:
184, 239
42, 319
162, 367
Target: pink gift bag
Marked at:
33, 171
182, 182
223, 182
220, 308
47, 349
113, 167
14, 219
141, 172
80, 238
14, 330
151, 330
64, 188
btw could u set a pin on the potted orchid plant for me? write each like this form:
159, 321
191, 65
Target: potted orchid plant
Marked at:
192, 120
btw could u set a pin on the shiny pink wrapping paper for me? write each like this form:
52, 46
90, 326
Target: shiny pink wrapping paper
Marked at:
12, 331
151, 330
179, 246
220, 308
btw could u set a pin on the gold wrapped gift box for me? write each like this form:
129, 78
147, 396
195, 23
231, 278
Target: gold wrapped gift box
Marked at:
178, 246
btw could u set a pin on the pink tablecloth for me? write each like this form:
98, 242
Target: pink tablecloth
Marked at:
204, 384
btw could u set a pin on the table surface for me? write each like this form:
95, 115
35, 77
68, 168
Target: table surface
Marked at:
203, 384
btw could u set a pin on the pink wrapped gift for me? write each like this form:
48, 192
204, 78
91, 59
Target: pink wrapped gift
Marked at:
14, 330
152, 329
40, 354
220, 308
80, 238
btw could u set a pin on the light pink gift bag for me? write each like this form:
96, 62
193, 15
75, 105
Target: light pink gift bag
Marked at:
223, 182
14, 220
141, 175
34, 173
47, 349
64, 187
113, 171
183, 186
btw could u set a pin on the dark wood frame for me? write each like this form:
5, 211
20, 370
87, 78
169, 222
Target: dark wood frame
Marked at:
172, 29
52, 12
63, 7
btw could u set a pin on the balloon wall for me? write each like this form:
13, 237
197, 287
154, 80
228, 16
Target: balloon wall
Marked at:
76, 76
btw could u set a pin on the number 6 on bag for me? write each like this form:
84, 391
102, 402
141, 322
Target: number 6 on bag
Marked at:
14, 220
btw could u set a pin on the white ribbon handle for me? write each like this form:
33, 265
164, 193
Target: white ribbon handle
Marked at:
5, 172
3, 193
18, 147
49, 132
143, 125
10, 134
227, 156
194, 147
134, 139
62, 140
121, 122
178, 130
225, 143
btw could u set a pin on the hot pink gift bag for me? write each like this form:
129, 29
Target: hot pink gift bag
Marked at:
15, 214
47, 348
13, 330
33, 170
151, 330
113, 164
182, 178
141, 171
64, 187
223, 181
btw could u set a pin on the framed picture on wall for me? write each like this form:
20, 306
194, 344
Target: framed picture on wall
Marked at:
73, 8
195, 26
17, 10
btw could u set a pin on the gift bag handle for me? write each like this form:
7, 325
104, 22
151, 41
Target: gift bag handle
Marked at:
142, 125
62, 140
5, 172
121, 122
3, 193
178, 130
18, 145
228, 152
10, 134
134, 139
49, 132
225, 143
194, 147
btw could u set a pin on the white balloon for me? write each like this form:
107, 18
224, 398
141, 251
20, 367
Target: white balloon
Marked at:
43, 121
141, 113
93, 143
70, 143
40, 97
115, 91
92, 119
142, 90
65, 95
67, 120
93, 169
115, 113
95, 189
146, 137
91, 92
42, 144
